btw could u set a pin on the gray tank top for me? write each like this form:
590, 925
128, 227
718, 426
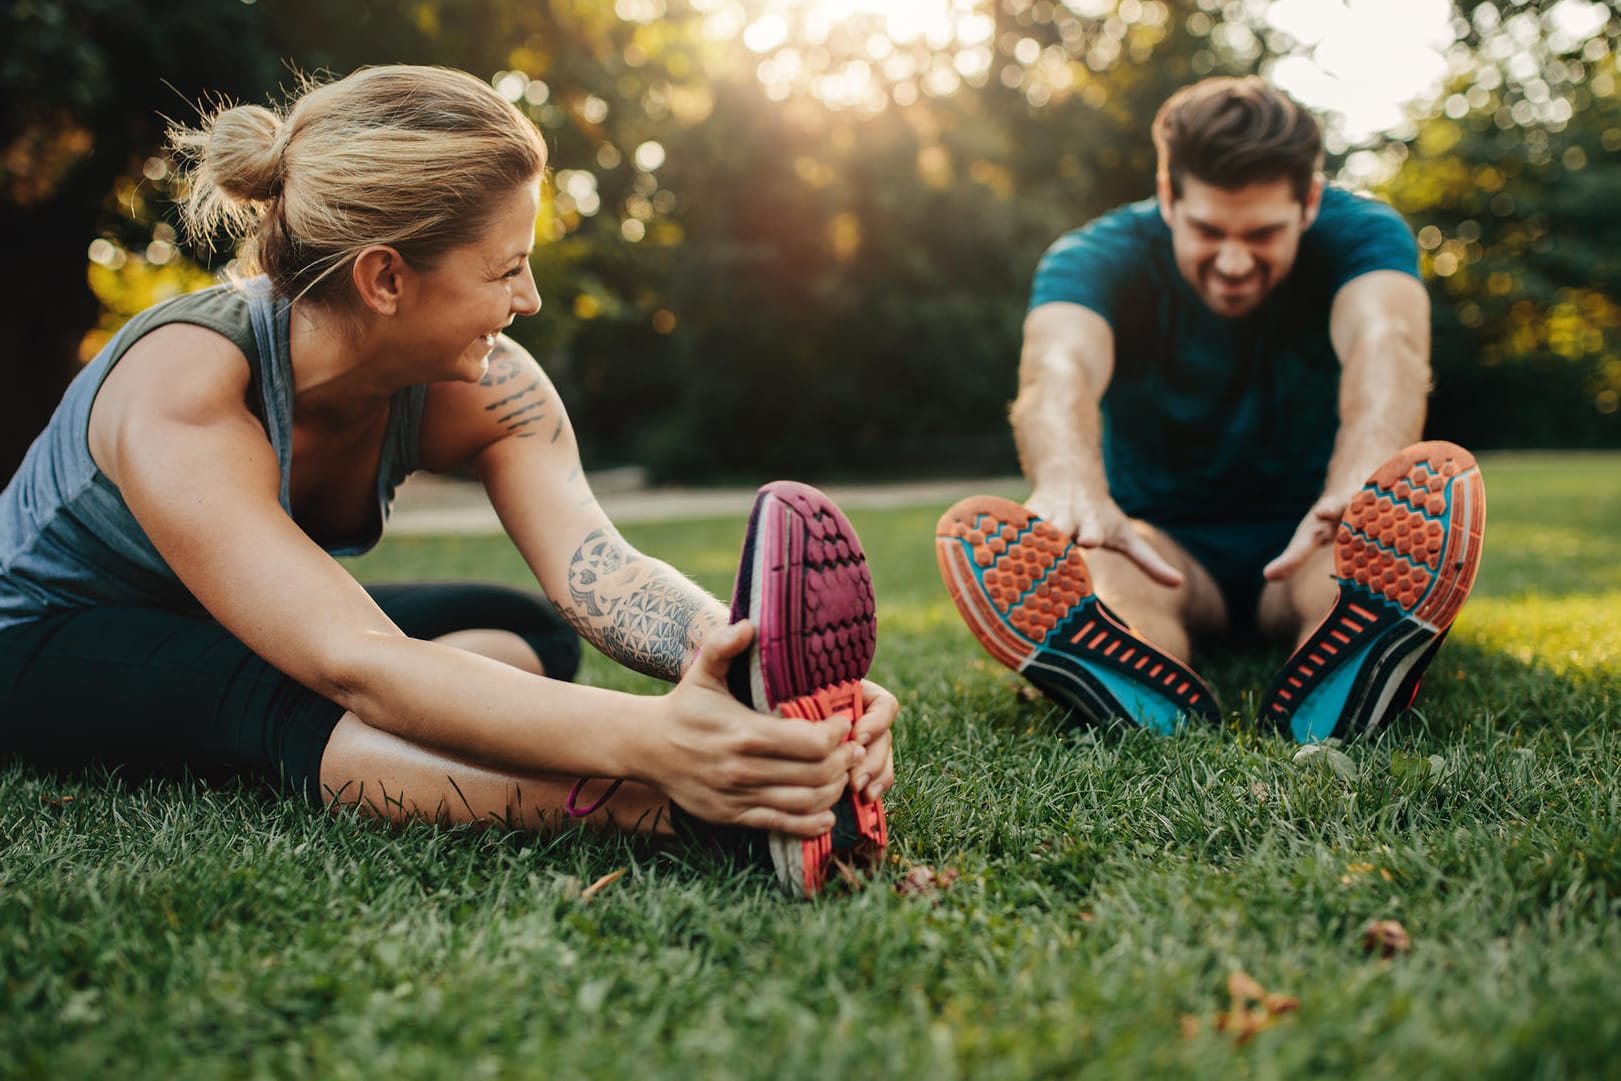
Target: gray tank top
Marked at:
67, 540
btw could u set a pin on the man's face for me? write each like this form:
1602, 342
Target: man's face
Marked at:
1234, 247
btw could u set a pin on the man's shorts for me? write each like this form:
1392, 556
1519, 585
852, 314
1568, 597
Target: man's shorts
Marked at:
1234, 553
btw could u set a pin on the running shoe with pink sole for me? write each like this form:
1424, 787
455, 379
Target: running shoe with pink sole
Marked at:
1024, 591
803, 582
1405, 557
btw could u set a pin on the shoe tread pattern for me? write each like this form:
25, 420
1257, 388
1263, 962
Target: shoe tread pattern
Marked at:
1405, 557
816, 631
1027, 595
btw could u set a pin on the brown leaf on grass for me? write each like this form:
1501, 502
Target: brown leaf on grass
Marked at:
1276, 1003
1026, 692
1388, 937
1241, 987
60, 801
1253, 1008
848, 873
602, 883
923, 880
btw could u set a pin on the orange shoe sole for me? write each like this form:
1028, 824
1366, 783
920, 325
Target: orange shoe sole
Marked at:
1024, 591
1405, 558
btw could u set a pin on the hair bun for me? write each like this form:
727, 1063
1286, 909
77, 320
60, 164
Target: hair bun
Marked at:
245, 144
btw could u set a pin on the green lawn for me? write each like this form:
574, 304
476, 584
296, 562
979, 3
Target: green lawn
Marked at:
1108, 884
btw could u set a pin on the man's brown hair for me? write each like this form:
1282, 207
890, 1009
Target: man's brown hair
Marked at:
1231, 133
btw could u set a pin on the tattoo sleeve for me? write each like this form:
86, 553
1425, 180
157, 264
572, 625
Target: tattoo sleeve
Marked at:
637, 610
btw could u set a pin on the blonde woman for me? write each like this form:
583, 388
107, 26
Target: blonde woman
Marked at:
168, 592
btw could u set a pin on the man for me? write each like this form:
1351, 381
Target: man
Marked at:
1209, 379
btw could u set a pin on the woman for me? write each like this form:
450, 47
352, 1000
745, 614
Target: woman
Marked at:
168, 592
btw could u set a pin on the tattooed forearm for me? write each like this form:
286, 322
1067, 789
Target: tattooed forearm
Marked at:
521, 408
637, 610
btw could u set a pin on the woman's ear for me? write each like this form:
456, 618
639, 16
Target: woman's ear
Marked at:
379, 278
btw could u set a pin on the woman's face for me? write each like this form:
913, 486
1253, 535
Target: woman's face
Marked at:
476, 290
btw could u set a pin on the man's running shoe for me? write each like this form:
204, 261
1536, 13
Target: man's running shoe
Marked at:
803, 582
1024, 591
1405, 556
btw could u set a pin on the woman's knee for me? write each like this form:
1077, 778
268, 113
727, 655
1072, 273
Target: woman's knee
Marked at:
508, 647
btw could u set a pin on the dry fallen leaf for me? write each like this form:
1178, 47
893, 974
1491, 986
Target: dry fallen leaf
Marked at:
1276, 1003
923, 879
1253, 1008
1243, 988
602, 883
848, 874
1389, 937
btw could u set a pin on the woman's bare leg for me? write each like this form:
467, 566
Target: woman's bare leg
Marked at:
503, 646
388, 777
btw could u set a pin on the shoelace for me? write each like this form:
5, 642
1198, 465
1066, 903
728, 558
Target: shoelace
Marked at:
829, 702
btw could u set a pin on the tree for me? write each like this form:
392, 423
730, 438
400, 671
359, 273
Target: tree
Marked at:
87, 85
1510, 185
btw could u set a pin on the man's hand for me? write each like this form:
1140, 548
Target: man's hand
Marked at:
1316, 529
1100, 523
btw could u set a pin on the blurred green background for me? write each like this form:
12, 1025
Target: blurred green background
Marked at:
838, 204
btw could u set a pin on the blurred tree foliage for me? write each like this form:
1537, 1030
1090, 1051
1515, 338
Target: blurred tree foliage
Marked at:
1511, 187
783, 244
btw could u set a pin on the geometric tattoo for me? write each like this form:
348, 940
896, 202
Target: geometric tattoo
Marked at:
636, 610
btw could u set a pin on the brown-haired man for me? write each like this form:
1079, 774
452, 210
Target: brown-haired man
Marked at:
1209, 380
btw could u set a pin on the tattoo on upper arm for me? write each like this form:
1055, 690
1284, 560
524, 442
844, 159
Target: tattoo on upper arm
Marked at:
503, 367
521, 408
635, 609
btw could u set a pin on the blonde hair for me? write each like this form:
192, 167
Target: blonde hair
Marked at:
416, 158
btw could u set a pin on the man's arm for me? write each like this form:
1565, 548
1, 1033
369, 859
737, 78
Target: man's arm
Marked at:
1380, 327
1064, 368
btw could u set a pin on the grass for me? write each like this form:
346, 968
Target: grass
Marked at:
1108, 884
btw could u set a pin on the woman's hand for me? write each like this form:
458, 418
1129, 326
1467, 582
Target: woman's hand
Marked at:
725, 763
875, 773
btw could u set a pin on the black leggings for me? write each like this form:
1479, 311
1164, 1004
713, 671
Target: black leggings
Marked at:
153, 691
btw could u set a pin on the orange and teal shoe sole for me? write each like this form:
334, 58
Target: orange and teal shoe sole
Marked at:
1405, 557
1024, 591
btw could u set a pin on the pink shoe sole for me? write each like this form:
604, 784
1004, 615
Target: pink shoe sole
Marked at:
803, 582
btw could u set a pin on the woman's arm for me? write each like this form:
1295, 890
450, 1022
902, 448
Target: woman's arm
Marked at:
171, 430
636, 609
512, 426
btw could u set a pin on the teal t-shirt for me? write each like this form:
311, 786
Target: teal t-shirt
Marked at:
1214, 419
